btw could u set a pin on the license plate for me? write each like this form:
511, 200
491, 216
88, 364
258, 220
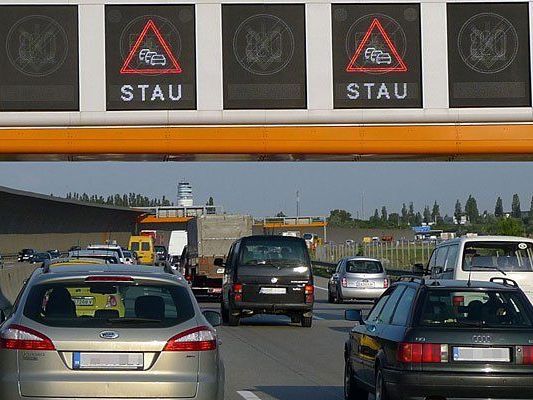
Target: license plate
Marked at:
268, 290
365, 284
83, 301
215, 290
493, 354
107, 360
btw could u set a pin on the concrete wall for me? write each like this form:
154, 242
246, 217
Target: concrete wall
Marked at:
12, 278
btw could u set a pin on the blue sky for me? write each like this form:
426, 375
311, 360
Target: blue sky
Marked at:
263, 189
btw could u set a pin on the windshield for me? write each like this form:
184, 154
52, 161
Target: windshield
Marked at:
105, 305
505, 256
490, 308
363, 267
134, 246
277, 251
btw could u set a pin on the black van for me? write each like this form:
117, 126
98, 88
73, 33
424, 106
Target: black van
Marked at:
268, 275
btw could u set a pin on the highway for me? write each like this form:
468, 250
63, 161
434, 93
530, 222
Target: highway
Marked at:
268, 358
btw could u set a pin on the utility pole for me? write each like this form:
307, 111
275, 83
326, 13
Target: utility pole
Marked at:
363, 205
297, 203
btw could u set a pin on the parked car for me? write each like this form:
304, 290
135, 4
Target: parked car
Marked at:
357, 278
105, 354
442, 340
268, 275
25, 255
39, 258
482, 257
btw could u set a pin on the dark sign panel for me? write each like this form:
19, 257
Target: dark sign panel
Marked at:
150, 57
39, 58
488, 55
376, 56
264, 56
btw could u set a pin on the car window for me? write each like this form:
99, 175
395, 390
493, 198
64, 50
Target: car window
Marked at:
433, 258
134, 246
374, 314
279, 251
363, 267
404, 307
388, 310
339, 267
441, 257
145, 246
104, 305
506, 256
451, 258
479, 308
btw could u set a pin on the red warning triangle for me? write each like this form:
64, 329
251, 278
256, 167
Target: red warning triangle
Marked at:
374, 59
151, 61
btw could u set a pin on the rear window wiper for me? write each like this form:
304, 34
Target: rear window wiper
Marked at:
489, 268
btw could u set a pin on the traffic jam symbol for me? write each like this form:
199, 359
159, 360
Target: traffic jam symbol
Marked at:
149, 56
376, 53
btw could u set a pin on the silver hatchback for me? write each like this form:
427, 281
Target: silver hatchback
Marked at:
357, 278
109, 331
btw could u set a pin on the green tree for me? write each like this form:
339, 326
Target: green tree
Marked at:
340, 218
507, 227
471, 209
515, 207
435, 213
498, 209
384, 215
418, 219
375, 217
427, 215
458, 210
394, 219
405, 214
210, 202
531, 210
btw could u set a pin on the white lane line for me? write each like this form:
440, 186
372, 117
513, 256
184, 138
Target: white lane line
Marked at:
318, 318
247, 395
321, 288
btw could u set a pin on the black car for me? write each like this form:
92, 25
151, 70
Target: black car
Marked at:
40, 257
445, 339
25, 255
268, 275
161, 254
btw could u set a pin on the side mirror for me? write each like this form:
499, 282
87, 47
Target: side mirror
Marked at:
354, 315
219, 262
436, 271
418, 268
213, 317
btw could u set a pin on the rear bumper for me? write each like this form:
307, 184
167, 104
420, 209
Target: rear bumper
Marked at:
361, 293
419, 386
269, 308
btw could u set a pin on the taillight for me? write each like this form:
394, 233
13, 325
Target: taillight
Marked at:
458, 300
344, 282
200, 338
422, 353
18, 337
237, 291
309, 293
111, 301
385, 283
524, 355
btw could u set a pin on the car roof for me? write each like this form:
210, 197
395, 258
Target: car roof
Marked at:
466, 239
83, 269
457, 284
92, 252
362, 258
269, 237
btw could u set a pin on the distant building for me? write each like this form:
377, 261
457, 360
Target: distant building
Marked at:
185, 197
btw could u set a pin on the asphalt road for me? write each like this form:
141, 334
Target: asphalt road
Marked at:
268, 358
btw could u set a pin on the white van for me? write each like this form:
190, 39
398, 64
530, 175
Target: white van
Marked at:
484, 257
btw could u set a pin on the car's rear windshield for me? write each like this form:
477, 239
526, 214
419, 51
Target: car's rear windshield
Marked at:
275, 251
506, 256
363, 267
460, 308
105, 305
134, 246
145, 246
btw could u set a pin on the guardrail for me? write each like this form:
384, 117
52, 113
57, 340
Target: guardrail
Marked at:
325, 269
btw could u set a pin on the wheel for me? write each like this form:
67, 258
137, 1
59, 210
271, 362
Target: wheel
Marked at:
381, 389
351, 390
233, 320
296, 319
338, 297
224, 312
331, 299
307, 322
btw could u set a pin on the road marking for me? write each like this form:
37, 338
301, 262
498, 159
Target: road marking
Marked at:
321, 288
318, 318
247, 395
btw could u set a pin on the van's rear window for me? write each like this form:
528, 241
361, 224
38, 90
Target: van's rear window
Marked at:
276, 251
105, 305
460, 308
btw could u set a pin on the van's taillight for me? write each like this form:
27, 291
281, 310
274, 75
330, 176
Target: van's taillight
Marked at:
237, 291
458, 300
200, 338
344, 282
18, 337
385, 283
309, 293
524, 355
422, 353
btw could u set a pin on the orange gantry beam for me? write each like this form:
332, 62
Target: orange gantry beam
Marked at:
489, 139
152, 219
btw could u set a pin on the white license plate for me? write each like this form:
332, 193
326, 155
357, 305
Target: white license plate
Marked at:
494, 354
107, 360
83, 301
270, 290
364, 284
215, 290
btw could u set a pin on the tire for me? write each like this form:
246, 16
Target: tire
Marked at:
331, 299
296, 319
233, 320
224, 312
352, 391
338, 297
307, 322
381, 388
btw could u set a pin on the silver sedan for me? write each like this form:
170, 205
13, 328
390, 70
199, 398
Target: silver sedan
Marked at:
357, 278
109, 331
